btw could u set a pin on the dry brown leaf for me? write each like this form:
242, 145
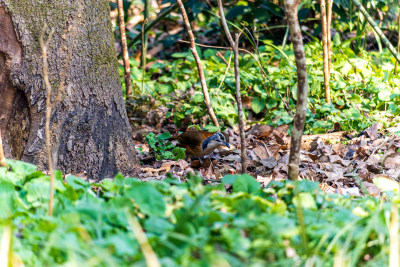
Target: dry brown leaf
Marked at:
392, 161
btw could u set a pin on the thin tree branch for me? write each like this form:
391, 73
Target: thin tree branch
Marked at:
326, 51
302, 88
235, 47
224, 60
225, 25
239, 104
328, 30
44, 45
263, 72
228, 67
198, 62
144, 35
376, 29
125, 53
144, 51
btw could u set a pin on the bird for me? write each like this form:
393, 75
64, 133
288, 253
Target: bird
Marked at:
201, 143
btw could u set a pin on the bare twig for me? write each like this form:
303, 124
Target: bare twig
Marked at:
154, 22
228, 67
144, 51
198, 62
235, 47
326, 51
224, 60
148, 252
263, 72
45, 46
377, 29
125, 53
2, 158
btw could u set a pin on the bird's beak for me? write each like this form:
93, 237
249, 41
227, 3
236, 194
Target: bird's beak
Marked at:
227, 144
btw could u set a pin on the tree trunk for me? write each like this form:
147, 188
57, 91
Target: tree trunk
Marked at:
89, 126
302, 87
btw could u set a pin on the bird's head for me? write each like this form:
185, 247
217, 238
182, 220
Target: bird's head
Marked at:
216, 140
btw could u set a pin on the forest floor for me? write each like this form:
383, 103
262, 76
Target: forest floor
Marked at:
344, 163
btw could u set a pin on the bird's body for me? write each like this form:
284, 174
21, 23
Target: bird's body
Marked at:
201, 143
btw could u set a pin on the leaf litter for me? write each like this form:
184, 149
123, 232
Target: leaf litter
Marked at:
343, 163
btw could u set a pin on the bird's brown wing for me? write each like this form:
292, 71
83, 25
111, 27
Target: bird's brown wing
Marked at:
193, 138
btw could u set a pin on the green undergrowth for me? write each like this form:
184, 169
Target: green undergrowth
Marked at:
364, 87
187, 224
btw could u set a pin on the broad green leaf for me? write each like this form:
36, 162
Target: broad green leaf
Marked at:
246, 183
149, 200
20, 167
164, 136
257, 104
7, 205
306, 199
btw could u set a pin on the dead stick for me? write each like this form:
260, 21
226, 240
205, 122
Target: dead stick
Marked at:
45, 46
125, 53
235, 46
198, 62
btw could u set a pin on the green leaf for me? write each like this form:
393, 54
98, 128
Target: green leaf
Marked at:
7, 206
198, 97
164, 136
336, 40
229, 179
246, 183
148, 198
77, 183
20, 167
257, 104
306, 199
384, 94
179, 152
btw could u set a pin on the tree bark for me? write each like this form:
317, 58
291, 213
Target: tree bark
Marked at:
89, 125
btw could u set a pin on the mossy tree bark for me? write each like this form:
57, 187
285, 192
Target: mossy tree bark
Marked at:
89, 126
